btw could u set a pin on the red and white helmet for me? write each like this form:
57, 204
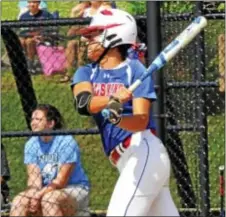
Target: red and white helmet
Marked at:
112, 27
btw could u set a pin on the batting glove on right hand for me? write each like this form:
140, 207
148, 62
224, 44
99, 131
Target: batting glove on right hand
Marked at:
115, 110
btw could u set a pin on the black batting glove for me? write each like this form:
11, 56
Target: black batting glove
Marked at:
115, 109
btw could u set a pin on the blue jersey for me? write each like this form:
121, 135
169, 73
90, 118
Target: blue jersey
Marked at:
107, 82
50, 156
42, 14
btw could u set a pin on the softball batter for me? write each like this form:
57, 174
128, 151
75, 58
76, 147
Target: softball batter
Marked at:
128, 136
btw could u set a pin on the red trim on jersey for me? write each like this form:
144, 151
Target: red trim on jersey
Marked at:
115, 155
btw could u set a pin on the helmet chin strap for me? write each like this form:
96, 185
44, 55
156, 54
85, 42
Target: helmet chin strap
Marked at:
103, 54
107, 49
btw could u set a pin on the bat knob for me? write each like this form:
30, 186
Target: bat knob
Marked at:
201, 20
105, 113
221, 168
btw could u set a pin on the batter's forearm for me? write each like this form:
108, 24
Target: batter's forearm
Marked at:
98, 103
134, 123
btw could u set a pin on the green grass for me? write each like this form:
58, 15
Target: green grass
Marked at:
102, 175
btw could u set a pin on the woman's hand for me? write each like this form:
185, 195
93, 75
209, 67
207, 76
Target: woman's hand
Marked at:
124, 95
35, 203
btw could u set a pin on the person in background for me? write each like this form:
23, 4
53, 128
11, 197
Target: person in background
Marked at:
75, 48
29, 37
78, 10
23, 6
5, 177
57, 184
96, 6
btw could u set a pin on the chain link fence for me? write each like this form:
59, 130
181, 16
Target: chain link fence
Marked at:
194, 101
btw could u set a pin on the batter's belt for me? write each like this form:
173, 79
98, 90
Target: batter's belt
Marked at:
117, 152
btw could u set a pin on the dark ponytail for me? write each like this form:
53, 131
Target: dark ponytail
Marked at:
52, 114
123, 50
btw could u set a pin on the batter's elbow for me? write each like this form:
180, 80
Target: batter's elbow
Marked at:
144, 122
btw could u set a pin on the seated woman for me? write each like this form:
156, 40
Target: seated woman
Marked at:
77, 11
57, 184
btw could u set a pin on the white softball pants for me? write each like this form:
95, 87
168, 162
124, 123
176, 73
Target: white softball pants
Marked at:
143, 185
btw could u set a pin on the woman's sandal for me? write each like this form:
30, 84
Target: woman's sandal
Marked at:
65, 79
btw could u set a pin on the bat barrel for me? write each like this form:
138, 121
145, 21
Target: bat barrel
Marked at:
192, 30
184, 38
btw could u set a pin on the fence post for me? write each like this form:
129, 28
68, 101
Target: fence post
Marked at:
173, 142
154, 47
200, 75
20, 72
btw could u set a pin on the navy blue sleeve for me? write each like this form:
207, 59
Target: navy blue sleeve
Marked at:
113, 4
23, 16
47, 15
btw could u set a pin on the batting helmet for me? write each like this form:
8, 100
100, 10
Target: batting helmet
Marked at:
111, 28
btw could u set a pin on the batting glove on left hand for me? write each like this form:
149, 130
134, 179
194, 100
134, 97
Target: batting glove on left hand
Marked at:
115, 109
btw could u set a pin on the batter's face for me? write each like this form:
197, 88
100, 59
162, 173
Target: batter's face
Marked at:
39, 121
94, 49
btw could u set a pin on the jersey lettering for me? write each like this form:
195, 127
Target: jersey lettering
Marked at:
103, 89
